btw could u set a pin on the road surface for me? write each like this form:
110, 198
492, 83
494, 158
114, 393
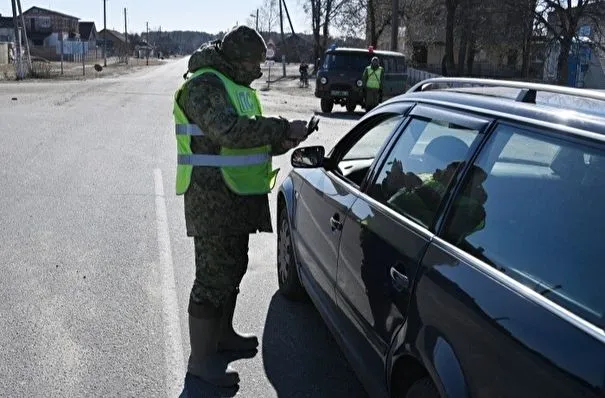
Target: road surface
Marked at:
95, 265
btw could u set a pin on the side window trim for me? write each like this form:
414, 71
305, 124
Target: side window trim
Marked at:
463, 119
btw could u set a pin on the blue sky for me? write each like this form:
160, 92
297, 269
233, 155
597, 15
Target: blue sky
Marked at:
202, 15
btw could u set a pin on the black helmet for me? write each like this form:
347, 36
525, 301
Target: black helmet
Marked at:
244, 44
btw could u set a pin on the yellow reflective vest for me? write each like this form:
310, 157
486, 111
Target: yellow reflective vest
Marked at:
374, 77
246, 171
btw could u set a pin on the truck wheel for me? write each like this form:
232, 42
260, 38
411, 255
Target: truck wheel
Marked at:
327, 105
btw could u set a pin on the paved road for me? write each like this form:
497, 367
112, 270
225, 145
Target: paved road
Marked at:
95, 266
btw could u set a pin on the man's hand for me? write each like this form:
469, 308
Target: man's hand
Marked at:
297, 130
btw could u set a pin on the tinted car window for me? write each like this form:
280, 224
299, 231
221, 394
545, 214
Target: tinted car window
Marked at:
356, 162
369, 144
532, 207
417, 172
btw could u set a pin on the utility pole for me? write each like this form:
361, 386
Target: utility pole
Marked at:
61, 38
394, 24
105, 33
83, 61
283, 39
148, 44
126, 33
17, 41
289, 19
28, 54
257, 19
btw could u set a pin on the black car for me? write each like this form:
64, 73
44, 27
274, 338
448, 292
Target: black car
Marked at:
453, 241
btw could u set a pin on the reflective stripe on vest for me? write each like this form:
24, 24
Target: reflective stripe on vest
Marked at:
188, 129
223, 160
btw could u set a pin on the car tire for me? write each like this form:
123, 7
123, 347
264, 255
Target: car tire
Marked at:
351, 107
423, 388
287, 273
327, 105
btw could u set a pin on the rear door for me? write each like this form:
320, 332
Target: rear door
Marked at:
387, 231
514, 283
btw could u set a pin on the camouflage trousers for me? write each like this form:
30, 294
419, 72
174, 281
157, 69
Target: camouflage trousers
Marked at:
220, 264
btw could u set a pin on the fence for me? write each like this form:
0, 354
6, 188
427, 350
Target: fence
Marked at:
416, 76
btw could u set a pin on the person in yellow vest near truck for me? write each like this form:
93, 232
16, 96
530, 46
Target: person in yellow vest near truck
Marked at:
224, 172
372, 80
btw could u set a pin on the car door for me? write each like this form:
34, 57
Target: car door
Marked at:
511, 292
324, 199
386, 232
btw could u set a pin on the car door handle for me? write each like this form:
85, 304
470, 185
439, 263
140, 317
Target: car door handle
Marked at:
335, 223
400, 281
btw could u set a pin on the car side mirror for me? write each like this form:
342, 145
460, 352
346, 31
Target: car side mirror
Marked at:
308, 157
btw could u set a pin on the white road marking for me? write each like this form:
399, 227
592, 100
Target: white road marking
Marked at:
173, 345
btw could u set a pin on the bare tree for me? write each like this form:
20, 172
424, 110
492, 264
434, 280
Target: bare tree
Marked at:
352, 18
268, 16
374, 17
562, 19
323, 13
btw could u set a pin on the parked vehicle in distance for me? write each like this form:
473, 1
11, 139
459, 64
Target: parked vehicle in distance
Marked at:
339, 77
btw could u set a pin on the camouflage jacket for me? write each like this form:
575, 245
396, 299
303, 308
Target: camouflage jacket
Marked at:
210, 206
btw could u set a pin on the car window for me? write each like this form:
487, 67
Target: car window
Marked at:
532, 206
371, 141
355, 163
417, 172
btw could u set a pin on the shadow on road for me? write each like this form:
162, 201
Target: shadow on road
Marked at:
341, 115
300, 356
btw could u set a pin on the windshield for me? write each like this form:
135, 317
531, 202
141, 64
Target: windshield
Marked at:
347, 61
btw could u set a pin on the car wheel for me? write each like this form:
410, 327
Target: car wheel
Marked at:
287, 274
327, 105
423, 388
351, 107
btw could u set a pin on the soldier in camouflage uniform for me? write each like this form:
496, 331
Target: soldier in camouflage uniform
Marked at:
218, 219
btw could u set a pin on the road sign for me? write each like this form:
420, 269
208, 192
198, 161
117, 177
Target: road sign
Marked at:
270, 53
269, 63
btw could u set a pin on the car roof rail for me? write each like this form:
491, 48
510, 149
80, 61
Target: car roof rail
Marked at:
528, 91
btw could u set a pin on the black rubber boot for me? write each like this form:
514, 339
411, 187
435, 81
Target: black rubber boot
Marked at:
205, 362
230, 340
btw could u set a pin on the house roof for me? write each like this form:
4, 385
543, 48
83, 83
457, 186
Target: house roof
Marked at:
45, 11
114, 33
6, 22
86, 29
